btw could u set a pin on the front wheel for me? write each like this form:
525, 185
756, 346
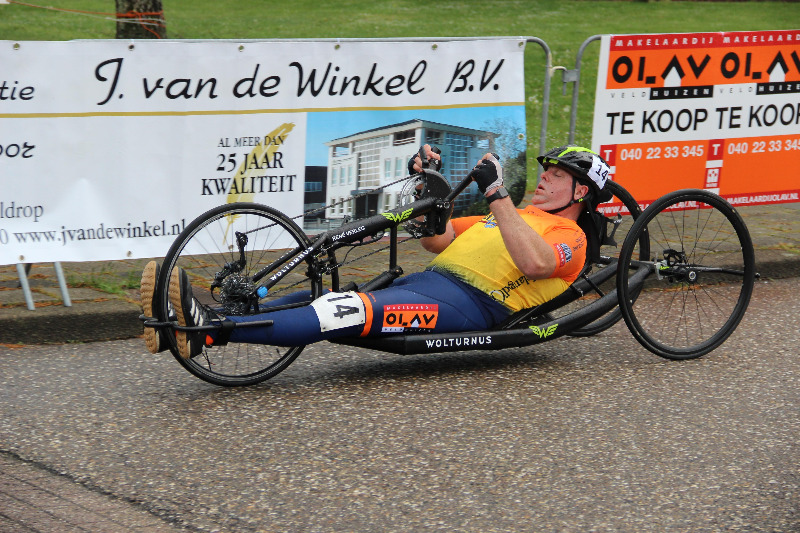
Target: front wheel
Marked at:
703, 271
252, 237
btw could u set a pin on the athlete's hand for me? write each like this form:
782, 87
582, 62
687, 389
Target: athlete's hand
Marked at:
488, 173
434, 160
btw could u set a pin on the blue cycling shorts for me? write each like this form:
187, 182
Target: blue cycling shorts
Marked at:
423, 302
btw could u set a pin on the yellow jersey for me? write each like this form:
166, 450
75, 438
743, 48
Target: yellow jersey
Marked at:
478, 257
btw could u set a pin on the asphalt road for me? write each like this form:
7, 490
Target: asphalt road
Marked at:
574, 435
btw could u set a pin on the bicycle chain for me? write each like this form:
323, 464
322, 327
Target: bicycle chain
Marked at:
343, 200
436, 167
329, 268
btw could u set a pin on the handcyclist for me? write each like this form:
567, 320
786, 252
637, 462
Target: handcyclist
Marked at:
487, 267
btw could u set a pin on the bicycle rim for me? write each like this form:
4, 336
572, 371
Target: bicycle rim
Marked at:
703, 280
203, 249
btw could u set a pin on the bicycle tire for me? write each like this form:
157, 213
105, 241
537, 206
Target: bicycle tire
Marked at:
703, 278
610, 252
202, 249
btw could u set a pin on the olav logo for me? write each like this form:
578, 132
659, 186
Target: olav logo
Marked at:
409, 317
398, 217
544, 333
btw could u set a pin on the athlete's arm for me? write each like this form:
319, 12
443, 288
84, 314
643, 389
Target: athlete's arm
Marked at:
438, 243
532, 254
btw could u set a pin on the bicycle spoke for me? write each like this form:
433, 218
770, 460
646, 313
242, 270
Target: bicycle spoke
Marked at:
221, 269
705, 270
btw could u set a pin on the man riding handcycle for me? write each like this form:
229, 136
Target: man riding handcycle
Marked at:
489, 271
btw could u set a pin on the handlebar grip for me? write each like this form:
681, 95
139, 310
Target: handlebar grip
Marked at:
433, 164
458, 189
423, 159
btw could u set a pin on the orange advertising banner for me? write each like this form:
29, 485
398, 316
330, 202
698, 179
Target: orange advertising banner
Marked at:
716, 111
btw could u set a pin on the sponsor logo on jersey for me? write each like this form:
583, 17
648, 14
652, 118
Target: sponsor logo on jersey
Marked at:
489, 221
401, 318
564, 253
503, 292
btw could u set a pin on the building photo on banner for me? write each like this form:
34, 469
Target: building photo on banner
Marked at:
123, 144
360, 157
711, 111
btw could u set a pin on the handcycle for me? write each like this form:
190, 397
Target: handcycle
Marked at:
681, 279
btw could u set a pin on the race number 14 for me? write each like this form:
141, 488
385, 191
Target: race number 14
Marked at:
337, 310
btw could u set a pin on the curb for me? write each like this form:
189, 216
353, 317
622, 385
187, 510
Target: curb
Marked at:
85, 321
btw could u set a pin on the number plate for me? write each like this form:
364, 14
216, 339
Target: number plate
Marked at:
337, 310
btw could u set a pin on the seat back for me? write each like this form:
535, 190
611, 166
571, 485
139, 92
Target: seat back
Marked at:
593, 225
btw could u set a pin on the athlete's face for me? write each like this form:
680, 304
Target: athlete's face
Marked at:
555, 189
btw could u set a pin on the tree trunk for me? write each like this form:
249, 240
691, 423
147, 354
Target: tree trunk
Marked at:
140, 19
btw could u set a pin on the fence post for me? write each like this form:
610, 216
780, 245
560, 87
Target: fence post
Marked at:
548, 74
63, 284
26, 288
573, 117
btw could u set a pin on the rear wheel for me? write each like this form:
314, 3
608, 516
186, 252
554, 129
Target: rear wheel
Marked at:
703, 274
252, 237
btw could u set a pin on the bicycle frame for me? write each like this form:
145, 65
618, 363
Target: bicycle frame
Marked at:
514, 332
525, 328
359, 230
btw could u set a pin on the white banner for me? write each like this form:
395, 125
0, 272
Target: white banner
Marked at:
109, 148
701, 110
